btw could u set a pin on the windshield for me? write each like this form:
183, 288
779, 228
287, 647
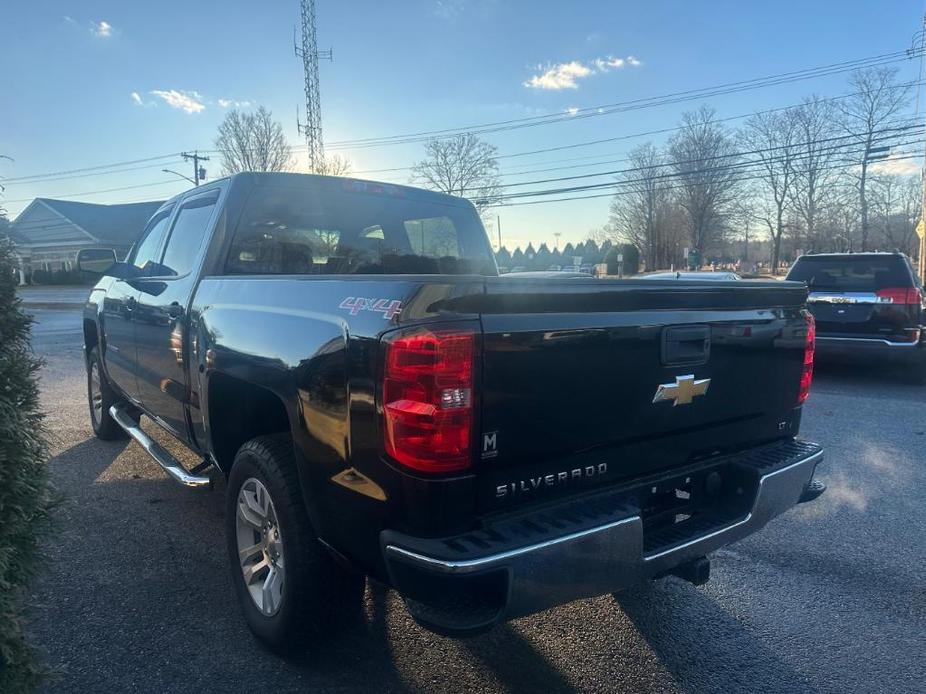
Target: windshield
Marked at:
305, 230
851, 274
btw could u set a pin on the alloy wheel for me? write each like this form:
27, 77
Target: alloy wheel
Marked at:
96, 393
260, 546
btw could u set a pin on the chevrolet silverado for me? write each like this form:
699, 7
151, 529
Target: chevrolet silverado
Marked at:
383, 404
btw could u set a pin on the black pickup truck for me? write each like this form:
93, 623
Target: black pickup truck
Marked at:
383, 404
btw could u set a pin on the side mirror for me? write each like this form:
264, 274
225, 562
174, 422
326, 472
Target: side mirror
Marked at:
96, 261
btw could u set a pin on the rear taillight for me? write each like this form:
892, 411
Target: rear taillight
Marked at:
428, 398
899, 295
807, 370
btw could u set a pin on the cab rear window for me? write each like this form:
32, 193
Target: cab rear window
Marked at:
851, 274
301, 230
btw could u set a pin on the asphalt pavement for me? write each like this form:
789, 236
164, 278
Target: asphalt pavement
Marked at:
831, 597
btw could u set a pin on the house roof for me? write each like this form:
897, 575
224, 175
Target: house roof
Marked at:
116, 224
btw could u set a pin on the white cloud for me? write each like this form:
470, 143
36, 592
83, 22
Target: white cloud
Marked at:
191, 102
567, 75
560, 76
572, 110
895, 166
101, 29
231, 103
139, 101
608, 63
449, 9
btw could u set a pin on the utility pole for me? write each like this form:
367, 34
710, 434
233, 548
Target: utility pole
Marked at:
312, 128
498, 228
199, 172
921, 227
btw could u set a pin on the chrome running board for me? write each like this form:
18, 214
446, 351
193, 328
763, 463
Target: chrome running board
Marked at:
170, 464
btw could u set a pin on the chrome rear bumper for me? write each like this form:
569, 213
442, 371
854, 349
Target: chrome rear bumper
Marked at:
587, 563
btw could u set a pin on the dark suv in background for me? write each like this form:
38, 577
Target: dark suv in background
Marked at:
865, 304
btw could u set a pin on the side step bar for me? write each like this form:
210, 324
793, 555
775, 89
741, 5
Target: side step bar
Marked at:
170, 464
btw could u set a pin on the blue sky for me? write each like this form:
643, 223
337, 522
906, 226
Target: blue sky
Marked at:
70, 70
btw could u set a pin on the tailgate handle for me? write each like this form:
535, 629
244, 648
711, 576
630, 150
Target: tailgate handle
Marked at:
686, 345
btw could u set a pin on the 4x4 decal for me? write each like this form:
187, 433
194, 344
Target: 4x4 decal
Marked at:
390, 308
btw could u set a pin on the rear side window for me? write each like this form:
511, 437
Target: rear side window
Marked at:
309, 230
188, 235
851, 273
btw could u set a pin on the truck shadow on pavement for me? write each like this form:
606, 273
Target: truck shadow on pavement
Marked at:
138, 597
703, 646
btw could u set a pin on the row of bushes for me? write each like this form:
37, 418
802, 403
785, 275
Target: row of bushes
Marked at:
56, 277
26, 496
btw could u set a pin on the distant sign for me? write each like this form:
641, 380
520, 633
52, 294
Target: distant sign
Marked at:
921, 229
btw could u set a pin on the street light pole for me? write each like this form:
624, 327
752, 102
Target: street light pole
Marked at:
177, 173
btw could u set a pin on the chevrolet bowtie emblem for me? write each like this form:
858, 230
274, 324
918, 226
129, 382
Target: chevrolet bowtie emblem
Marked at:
683, 391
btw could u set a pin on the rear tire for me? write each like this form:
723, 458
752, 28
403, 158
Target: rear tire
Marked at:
290, 589
100, 397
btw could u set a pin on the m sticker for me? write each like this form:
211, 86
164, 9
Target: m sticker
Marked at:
489, 445
390, 308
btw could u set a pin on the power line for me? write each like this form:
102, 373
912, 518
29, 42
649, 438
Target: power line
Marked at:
898, 132
98, 192
97, 173
844, 66
634, 104
89, 168
672, 175
916, 155
631, 136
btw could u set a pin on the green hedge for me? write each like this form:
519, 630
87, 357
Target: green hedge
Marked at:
67, 277
26, 497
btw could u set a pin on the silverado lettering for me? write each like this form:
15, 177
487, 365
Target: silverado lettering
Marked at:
505, 490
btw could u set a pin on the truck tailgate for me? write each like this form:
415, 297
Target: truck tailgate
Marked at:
571, 369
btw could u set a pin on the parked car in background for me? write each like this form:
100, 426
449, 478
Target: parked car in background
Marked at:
866, 304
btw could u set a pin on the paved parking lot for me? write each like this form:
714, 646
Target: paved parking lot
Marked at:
831, 597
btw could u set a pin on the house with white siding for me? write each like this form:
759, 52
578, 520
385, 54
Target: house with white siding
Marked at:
49, 233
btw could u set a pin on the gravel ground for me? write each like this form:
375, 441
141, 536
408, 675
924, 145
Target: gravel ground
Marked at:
831, 597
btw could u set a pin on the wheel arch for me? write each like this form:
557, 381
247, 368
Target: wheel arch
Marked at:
238, 411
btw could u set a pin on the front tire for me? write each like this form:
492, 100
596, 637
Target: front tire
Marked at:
290, 589
100, 397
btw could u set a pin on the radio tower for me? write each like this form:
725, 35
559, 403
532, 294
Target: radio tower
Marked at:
312, 128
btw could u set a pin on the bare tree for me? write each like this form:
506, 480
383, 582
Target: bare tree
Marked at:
701, 154
773, 137
894, 205
636, 210
252, 141
813, 170
462, 165
875, 100
334, 165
